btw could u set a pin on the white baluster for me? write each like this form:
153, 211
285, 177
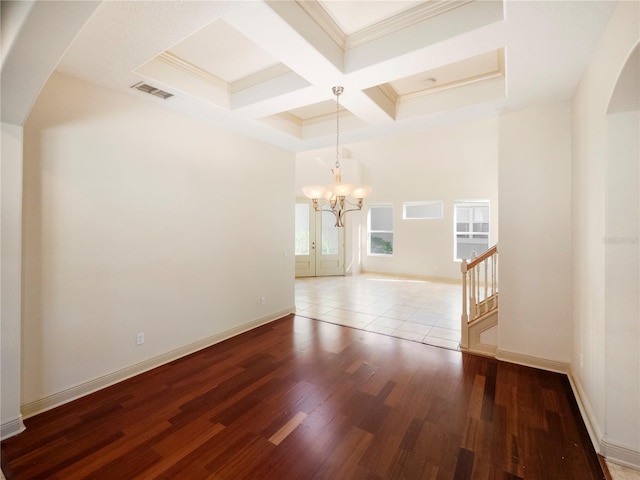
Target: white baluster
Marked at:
493, 280
476, 271
486, 286
463, 269
464, 318
473, 304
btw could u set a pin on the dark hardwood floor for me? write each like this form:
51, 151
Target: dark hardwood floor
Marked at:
303, 399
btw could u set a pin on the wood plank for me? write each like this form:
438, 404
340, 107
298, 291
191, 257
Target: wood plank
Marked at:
298, 398
287, 428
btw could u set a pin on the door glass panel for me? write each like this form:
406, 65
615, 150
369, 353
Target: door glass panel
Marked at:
330, 233
302, 229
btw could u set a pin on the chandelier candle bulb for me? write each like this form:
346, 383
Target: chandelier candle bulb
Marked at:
342, 189
315, 191
361, 192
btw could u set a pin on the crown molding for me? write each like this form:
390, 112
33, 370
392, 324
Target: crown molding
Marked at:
403, 20
481, 78
191, 69
290, 117
325, 117
467, 82
389, 92
233, 87
264, 75
324, 20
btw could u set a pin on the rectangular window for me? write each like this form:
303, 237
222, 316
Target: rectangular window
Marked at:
380, 230
422, 210
471, 220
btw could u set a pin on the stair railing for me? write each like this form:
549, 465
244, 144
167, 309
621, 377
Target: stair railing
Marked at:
479, 289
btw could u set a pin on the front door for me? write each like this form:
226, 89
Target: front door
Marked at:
319, 243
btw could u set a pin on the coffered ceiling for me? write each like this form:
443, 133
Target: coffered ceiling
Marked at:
266, 68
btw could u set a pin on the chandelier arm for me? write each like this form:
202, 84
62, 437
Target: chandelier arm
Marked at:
358, 204
338, 211
337, 214
342, 212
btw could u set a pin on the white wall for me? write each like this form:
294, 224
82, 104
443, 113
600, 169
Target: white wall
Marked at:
137, 219
10, 281
535, 235
605, 364
455, 162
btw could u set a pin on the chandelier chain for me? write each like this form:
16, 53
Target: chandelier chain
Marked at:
337, 93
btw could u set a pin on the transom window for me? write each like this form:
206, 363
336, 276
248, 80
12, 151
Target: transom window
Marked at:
422, 210
471, 220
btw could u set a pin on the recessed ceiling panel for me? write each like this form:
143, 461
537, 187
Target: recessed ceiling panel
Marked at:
222, 51
353, 16
481, 67
316, 110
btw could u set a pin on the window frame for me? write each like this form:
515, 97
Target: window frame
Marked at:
370, 231
471, 232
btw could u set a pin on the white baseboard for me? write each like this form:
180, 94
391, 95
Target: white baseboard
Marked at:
529, 361
588, 417
612, 451
426, 278
11, 428
73, 393
620, 454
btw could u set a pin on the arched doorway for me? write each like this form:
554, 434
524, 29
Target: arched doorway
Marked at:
622, 257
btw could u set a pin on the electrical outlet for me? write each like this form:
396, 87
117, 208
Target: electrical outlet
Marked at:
263, 300
140, 338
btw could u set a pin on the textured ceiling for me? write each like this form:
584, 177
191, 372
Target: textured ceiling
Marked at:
266, 68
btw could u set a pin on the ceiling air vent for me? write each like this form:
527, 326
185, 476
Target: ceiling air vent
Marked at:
143, 87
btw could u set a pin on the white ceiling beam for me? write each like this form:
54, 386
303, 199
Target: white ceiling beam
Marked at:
265, 92
432, 31
285, 31
373, 107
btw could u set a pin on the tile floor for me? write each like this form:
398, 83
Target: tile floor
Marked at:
419, 310
618, 472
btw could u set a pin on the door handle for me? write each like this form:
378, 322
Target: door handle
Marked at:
313, 245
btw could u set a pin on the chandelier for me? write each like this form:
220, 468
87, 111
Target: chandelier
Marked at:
337, 194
